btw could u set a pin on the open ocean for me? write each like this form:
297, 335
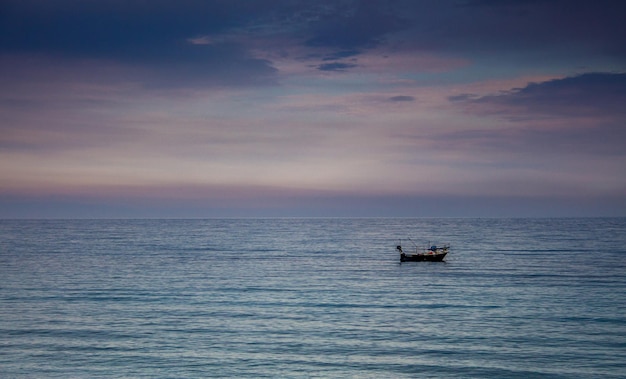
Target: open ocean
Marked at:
283, 298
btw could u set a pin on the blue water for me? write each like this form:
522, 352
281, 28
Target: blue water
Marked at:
517, 298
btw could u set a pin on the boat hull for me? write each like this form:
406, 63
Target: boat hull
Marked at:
437, 257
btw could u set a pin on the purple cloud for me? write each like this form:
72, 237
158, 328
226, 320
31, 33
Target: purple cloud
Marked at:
157, 37
336, 66
591, 94
353, 25
583, 114
341, 55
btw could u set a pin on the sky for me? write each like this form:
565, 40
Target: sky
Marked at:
288, 108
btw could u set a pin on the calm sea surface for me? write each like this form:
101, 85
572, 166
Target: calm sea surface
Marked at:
517, 298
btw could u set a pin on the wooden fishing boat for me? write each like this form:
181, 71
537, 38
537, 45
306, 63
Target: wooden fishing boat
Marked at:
432, 254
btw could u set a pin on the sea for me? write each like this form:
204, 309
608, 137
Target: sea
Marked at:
312, 298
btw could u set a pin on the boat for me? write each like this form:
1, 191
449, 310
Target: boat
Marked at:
432, 254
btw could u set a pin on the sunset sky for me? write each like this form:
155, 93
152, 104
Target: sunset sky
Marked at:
469, 108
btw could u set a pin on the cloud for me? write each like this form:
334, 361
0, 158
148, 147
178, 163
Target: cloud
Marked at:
211, 65
353, 25
201, 40
218, 42
595, 94
580, 115
175, 44
341, 55
336, 66
558, 30
402, 98
463, 97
